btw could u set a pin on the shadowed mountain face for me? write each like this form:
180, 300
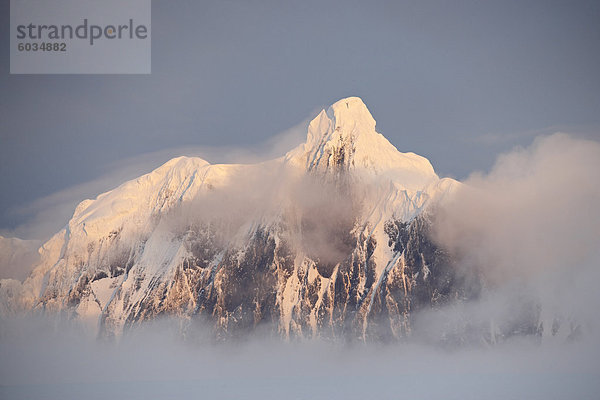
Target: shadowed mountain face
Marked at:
332, 240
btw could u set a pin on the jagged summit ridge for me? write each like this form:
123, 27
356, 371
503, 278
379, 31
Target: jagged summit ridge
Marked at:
344, 138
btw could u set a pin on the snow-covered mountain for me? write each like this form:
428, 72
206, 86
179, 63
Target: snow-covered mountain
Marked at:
329, 240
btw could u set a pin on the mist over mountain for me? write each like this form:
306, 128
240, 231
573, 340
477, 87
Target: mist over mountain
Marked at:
17, 257
344, 237
342, 242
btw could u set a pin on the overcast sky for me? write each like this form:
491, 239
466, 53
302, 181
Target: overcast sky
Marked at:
457, 82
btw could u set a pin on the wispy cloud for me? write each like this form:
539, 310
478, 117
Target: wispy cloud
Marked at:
533, 224
512, 138
45, 216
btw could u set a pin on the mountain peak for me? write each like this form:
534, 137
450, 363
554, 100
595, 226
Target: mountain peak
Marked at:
344, 138
352, 111
347, 117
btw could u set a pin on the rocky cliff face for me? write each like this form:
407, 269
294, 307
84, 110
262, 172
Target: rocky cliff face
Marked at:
331, 240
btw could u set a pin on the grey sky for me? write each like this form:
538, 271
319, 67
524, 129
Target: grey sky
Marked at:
457, 82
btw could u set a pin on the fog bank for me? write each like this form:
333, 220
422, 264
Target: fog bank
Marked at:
531, 229
155, 363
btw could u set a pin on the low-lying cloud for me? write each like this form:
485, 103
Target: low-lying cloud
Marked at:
531, 228
45, 360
